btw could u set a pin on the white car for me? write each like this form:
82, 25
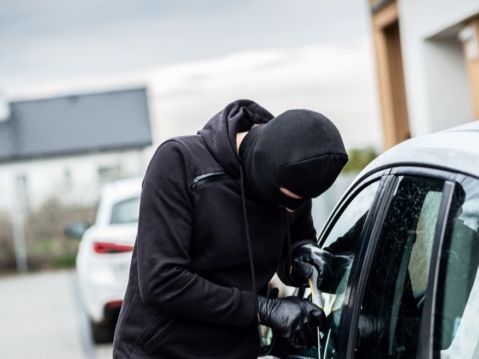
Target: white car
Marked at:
409, 228
104, 255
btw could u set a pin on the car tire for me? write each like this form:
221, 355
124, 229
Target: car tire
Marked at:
102, 332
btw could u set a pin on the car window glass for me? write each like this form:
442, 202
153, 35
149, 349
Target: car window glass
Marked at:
342, 240
391, 308
421, 250
125, 211
458, 297
353, 216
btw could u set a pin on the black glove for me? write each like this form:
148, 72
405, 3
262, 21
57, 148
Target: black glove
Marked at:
292, 318
309, 255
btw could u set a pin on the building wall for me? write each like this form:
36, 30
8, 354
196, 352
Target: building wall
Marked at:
448, 99
436, 81
72, 180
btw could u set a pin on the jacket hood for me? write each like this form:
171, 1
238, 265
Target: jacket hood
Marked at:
220, 131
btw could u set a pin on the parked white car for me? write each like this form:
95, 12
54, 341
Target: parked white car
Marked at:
104, 255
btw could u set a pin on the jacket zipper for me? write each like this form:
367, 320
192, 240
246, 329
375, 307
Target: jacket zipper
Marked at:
205, 177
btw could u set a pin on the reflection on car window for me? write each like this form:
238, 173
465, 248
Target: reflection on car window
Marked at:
343, 241
125, 211
351, 219
391, 309
458, 298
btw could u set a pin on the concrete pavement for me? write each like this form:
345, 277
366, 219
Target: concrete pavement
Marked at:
41, 317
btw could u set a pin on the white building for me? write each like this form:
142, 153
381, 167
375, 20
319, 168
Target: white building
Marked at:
427, 58
66, 147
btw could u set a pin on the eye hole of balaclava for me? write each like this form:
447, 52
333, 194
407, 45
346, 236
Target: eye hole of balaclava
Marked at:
290, 202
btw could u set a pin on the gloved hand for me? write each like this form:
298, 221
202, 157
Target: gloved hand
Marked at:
292, 318
309, 255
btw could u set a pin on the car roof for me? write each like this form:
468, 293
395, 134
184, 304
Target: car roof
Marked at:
114, 192
455, 149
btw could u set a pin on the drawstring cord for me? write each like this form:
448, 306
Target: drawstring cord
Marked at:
248, 238
288, 237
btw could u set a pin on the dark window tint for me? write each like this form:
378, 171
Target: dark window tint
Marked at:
125, 211
457, 329
392, 304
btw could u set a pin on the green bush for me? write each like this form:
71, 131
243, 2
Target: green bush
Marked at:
359, 158
47, 246
7, 253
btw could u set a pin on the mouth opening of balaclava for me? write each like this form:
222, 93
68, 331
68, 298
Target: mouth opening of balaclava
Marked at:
299, 150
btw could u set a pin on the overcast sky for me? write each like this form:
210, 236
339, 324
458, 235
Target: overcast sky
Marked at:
197, 55
44, 40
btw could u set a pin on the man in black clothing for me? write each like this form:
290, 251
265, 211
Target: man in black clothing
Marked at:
220, 213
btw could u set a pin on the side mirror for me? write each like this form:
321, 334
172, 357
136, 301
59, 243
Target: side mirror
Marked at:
76, 230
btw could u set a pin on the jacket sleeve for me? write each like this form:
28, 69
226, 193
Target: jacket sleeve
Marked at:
302, 231
163, 243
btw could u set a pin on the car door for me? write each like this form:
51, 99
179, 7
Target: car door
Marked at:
418, 272
378, 313
391, 291
397, 233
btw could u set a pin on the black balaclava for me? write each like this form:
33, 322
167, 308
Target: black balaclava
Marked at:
299, 150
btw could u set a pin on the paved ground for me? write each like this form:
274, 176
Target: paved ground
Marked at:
41, 317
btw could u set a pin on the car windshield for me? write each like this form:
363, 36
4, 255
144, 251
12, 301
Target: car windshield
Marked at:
125, 211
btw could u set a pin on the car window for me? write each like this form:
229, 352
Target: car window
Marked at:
458, 295
125, 211
342, 239
391, 307
352, 216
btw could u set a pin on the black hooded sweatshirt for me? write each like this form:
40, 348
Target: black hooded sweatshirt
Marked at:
190, 291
